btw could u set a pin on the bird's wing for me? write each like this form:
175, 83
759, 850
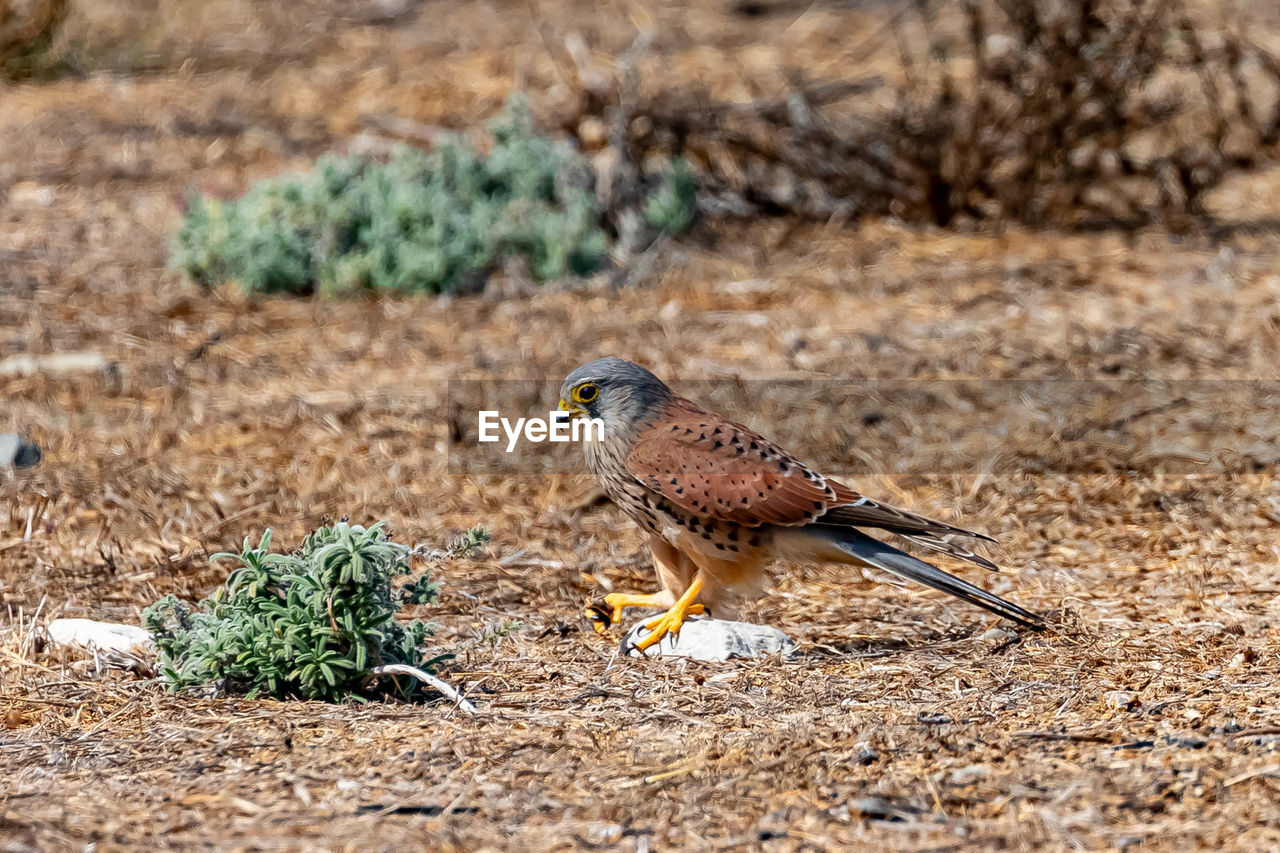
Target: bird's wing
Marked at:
854, 510
714, 468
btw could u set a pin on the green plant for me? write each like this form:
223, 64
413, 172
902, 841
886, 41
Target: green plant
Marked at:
432, 222
672, 201
310, 625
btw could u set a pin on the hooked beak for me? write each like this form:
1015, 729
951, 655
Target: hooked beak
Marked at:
574, 411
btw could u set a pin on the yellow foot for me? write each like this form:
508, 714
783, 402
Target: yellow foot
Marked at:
610, 612
669, 622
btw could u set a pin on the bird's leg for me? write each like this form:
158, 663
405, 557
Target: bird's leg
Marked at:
616, 602
670, 622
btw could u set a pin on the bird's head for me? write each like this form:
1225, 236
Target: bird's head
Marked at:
618, 392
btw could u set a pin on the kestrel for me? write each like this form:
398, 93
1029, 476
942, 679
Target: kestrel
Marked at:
720, 501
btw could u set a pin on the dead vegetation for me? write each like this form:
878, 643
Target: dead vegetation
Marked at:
1051, 112
1146, 719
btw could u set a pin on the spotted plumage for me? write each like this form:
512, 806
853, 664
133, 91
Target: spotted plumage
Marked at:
719, 501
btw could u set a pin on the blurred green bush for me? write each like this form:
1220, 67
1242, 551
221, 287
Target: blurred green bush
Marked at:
309, 625
433, 222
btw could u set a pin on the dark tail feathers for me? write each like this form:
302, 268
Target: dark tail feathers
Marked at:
875, 553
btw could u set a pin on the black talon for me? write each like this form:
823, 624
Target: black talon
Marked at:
600, 616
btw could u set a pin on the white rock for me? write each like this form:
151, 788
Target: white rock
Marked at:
712, 640
971, 773
27, 193
104, 636
15, 452
1122, 700
55, 364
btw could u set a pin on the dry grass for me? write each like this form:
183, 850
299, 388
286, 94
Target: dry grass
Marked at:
1147, 718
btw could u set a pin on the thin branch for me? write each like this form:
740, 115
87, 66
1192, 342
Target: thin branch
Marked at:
414, 672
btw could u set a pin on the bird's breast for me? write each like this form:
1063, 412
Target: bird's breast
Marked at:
717, 539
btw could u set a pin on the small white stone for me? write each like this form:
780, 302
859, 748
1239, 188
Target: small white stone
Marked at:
1000, 46
970, 773
16, 452
103, 636
712, 640
1122, 700
54, 364
29, 194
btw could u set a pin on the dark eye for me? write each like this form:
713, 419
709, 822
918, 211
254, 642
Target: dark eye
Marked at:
586, 393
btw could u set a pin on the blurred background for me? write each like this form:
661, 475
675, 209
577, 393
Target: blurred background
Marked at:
1009, 263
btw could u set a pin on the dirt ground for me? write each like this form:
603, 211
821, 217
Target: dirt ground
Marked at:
1146, 719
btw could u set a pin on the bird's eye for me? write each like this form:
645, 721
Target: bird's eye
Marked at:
585, 393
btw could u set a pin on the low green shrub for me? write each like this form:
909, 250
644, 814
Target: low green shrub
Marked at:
309, 625
429, 222
673, 201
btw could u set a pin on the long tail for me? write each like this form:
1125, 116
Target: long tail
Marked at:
853, 546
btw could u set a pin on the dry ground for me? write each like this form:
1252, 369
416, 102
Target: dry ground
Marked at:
1146, 720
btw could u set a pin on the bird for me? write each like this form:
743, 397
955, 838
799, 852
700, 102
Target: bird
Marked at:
719, 502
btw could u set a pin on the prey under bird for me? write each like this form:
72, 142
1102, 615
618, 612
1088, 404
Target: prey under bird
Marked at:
720, 501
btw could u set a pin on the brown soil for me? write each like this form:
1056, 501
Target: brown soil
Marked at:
1146, 718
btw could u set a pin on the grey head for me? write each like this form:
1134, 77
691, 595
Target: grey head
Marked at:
621, 393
